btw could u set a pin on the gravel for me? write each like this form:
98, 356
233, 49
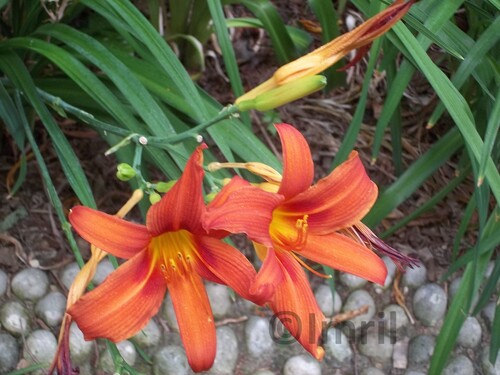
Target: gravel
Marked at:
429, 304
470, 333
9, 353
259, 342
14, 318
30, 284
227, 352
51, 308
460, 365
326, 301
170, 360
377, 346
337, 347
354, 301
302, 365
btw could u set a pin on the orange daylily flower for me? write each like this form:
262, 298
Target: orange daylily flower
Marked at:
174, 251
299, 220
328, 54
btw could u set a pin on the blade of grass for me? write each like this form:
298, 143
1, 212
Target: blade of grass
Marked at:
414, 176
131, 88
442, 11
490, 137
474, 57
265, 11
228, 54
49, 185
10, 118
352, 132
454, 102
464, 223
129, 17
300, 38
495, 339
14, 68
328, 19
97, 90
460, 306
428, 205
489, 289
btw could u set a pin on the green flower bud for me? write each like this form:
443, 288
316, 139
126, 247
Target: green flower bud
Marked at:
154, 197
163, 187
125, 172
284, 94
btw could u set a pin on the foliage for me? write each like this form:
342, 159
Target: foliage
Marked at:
104, 65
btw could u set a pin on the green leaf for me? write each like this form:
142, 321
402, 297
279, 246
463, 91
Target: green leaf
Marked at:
265, 11
14, 68
300, 38
228, 54
473, 58
10, 117
439, 153
454, 102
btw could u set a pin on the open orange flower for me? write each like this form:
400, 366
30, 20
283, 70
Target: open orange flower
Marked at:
316, 222
174, 251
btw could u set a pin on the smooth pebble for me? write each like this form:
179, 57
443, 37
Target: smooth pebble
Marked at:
170, 360
302, 364
377, 346
415, 277
9, 353
460, 365
14, 318
354, 301
394, 317
227, 352
337, 346
470, 333
258, 338
420, 350
352, 281
4, 282
328, 303
220, 300
429, 304
30, 284
51, 308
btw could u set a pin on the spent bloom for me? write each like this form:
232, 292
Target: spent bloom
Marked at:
172, 251
290, 220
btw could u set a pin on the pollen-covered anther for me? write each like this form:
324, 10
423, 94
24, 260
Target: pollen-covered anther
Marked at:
302, 229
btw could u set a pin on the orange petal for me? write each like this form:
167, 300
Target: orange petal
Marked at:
183, 206
196, 322
246, 210
298, 167
337, 201
123, 303
294, 304
343, 253
224, 264
109, 233
269, 276
236, 183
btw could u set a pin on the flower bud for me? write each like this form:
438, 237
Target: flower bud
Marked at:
154, 197
284, 94
163, 187
125, 172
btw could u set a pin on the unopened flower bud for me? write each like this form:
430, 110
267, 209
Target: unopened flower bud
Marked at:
125, 172
284, 94
154, 197
163, 187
